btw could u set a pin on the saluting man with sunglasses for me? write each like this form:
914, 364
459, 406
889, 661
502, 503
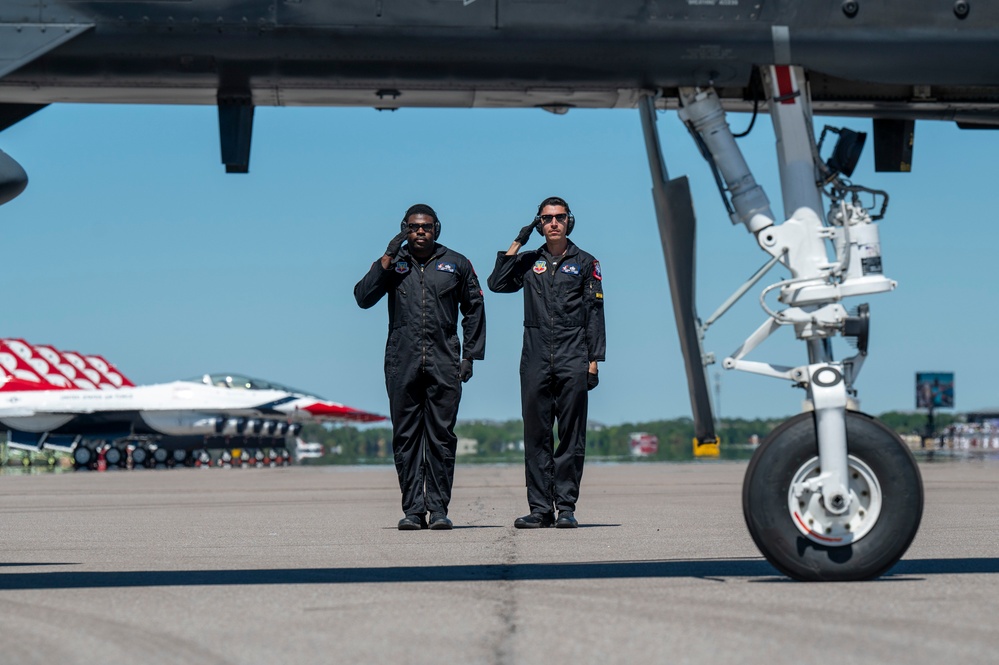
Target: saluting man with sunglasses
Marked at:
563, 341
427, 284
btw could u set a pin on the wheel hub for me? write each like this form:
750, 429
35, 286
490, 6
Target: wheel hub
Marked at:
815, 522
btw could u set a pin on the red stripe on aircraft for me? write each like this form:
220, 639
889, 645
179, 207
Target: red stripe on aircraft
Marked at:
785, 85
339, 411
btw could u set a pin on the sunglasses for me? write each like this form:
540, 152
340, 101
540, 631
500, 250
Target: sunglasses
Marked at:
560, 218
417, 227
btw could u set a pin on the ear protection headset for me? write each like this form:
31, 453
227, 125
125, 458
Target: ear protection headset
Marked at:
421, 209
555, 201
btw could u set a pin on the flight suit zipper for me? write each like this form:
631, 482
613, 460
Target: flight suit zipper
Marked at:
423, 313
551, 312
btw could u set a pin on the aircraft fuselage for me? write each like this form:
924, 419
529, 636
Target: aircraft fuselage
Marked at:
497, 53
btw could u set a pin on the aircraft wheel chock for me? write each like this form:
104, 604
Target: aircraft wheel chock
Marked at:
792, 528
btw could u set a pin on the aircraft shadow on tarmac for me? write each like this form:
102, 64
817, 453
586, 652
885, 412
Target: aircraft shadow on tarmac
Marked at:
703, 568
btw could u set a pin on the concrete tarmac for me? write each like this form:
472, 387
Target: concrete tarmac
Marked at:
305, 565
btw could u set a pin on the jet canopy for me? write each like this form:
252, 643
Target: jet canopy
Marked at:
240, 382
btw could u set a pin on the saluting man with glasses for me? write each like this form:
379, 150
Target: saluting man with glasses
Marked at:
425, 364
563, 341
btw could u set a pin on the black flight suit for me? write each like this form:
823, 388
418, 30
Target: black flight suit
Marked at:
563, 332
422, 357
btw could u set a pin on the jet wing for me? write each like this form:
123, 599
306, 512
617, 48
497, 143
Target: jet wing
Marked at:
25, 42
333, 411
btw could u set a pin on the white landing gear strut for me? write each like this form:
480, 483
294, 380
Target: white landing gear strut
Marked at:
832, 494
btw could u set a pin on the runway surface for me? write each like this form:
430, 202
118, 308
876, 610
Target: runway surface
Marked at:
305, 565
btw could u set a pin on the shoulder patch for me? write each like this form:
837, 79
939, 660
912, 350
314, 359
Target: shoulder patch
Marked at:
570, 268
446, 266
540, 266
596, 270
402, 267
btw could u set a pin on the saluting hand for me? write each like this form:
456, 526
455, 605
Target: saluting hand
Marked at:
525, 233
395, 245
465, 370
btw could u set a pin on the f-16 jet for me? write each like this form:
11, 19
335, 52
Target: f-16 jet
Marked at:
177, 422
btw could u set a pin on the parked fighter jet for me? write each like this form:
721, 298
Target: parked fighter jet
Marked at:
832, 494
177, 422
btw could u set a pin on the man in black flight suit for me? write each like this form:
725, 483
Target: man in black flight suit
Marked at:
425, 365
563, 341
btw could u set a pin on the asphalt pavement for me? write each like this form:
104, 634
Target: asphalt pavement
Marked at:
305, 565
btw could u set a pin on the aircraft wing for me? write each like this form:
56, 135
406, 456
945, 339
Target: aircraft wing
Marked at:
896, 61
333, 411
22, 43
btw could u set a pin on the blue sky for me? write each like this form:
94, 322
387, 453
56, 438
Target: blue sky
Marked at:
132, 242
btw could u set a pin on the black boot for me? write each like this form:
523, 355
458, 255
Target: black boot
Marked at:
535, 521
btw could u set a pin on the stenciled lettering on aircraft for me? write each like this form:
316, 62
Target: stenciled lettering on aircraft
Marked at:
710, 3
708, 52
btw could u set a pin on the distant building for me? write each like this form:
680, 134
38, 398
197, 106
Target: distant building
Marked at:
468, 446
983, 416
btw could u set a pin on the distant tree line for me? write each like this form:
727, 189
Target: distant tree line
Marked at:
502, 441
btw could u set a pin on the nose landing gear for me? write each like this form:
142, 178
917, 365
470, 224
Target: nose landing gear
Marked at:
832, 494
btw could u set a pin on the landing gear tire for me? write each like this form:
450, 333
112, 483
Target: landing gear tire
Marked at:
794, 531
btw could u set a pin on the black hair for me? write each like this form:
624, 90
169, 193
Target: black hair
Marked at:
553, 201
421, 209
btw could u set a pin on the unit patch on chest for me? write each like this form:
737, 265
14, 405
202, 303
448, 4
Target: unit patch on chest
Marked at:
571, 268
402, 267
540, 266
445, 266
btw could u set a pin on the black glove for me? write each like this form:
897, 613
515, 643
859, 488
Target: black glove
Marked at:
395, 245
525, 233
591, 380
465, 370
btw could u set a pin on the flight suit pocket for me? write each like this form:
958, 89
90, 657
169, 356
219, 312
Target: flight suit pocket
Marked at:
392, 355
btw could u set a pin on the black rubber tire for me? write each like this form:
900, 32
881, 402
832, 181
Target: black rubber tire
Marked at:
765, 498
